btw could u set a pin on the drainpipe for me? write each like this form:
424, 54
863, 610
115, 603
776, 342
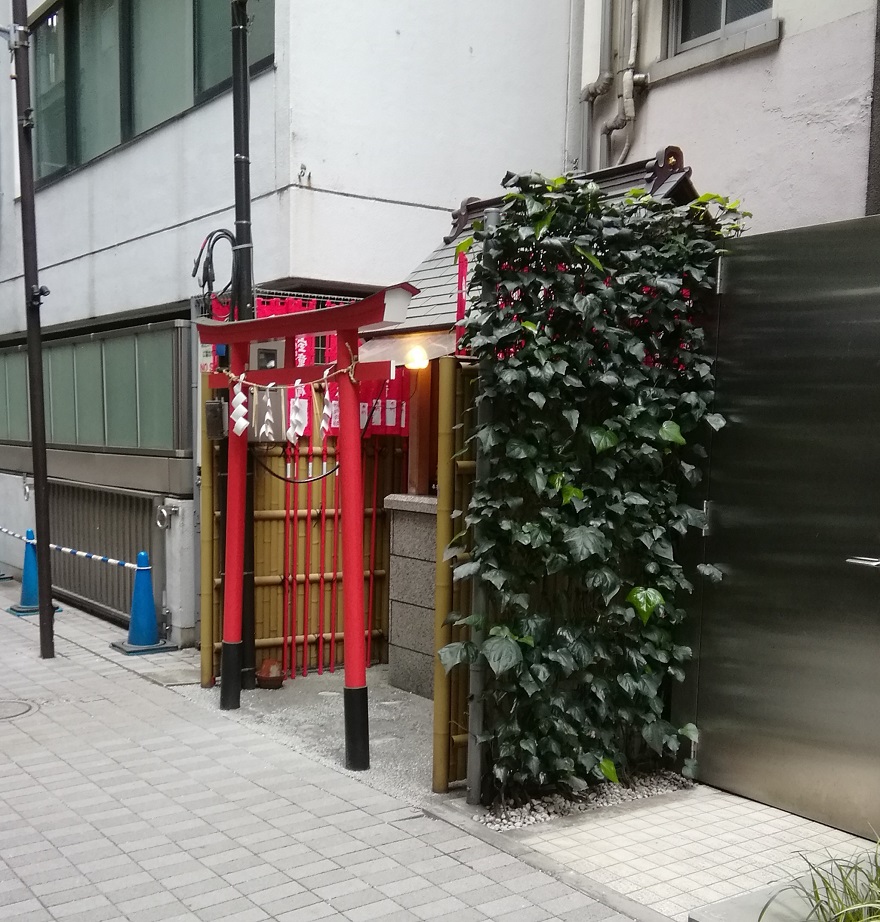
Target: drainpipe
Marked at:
601, 85
574, 113
626, 112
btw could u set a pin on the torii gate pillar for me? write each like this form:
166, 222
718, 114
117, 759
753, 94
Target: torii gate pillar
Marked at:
348, 446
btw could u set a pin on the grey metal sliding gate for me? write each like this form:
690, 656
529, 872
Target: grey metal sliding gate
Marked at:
118, 523
788, 682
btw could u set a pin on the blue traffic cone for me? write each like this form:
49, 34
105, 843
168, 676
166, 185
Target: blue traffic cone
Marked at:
30, 595
143, 629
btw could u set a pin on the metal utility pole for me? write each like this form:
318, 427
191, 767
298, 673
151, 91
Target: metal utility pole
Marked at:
243, 280
476, 755
238, 657
18, 36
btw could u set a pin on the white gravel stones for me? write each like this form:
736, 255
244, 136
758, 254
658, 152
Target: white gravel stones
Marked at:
502, 819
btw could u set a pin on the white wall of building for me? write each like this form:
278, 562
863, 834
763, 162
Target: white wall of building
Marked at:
397, 111
785, 129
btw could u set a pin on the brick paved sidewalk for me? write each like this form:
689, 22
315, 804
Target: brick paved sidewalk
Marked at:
120, 799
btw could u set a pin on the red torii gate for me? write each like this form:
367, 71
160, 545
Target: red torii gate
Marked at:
384, 308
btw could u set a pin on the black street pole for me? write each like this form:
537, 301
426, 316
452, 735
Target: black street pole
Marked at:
243, 296
18, 42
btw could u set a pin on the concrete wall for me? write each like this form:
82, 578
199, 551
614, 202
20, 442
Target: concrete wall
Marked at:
411, 590
16, 515
784, 128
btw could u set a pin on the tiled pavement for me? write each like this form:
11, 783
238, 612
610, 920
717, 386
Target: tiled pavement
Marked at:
121, 800
680, 851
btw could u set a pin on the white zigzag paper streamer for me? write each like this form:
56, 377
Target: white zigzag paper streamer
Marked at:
267, 430
298, 415
238, 415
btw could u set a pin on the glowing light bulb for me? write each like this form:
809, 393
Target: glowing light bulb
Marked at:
416, 358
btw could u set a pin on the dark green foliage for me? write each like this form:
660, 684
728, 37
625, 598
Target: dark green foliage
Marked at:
585, 317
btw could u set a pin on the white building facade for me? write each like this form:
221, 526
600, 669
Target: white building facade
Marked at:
369, 123
771, 100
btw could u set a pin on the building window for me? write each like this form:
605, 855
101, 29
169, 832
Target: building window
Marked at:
213, 56
108, 70
50, 94
162, 61
119, 391
98, 124
698, 21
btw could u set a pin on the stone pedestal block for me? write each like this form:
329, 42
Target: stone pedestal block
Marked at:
411, 590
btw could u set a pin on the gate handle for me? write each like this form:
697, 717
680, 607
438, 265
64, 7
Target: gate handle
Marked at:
864, 561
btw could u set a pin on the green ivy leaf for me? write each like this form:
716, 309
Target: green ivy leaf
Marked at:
528, 684
477, 621
564, 659
590, 257
573, 416
603, 439
455, 653
502, 654
606, 766
570, 492
715, 420
528, 744
712, 573
606, 581
659, 735
518, 449
543, 222
576, 784
538, 399
584, 541
465, 570
670, 432
464, 246
691, 732
689, 769
644, 601
537, 479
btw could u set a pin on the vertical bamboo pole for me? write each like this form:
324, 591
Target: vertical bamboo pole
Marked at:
206, 545
443, 577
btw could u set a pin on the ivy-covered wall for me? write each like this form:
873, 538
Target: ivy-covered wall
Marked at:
587, 320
